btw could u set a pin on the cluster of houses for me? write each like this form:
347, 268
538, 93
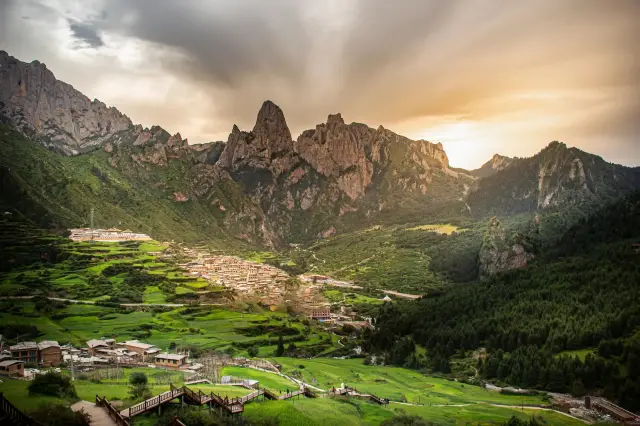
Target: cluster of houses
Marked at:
48, 353
108, 235
246, 277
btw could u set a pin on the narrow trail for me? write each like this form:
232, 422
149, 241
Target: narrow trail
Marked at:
99, 416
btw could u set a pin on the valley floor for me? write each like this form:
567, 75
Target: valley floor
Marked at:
437, 400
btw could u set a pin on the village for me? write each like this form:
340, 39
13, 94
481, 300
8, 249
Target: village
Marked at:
106, 235
96, 353
267, 285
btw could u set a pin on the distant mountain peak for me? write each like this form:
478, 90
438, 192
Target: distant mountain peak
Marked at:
498, 162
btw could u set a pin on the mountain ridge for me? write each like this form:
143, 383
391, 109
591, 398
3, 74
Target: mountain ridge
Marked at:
271, 189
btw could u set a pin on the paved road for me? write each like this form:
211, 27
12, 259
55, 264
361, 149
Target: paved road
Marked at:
99, 416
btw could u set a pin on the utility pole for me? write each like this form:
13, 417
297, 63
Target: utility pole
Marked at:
73, 375
91, 223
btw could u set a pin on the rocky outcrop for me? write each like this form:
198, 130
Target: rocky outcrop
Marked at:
558, 177
499, 253
52, 111
498, 162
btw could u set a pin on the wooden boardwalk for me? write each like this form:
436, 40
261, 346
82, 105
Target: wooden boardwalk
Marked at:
231, 406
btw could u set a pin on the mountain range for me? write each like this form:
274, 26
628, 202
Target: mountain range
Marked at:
261, 187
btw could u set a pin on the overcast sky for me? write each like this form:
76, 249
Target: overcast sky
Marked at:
481, 76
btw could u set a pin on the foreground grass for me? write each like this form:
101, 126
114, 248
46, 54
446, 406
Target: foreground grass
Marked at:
466, 404
397, 384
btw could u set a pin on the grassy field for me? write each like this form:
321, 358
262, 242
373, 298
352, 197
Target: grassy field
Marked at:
321, 411
397, 384
447, 229
203, 327
580, 353
343, 411
270, 381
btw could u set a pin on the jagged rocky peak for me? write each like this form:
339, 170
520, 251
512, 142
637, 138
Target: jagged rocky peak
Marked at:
267, 146
271, 130
52, 111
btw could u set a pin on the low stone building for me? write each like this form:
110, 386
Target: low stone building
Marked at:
145, 351
49, 353
25, 351
174, 361
95, 344
12, 367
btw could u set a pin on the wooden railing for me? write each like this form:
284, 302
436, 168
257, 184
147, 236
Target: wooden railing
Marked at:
111, 410
7, 409
233, 405
150, 403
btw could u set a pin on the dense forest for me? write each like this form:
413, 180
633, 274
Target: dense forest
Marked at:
580, 294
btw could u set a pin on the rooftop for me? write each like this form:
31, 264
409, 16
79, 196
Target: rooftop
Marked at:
96, 343
10, 362
171, 356
48, 344
23, 346
138, 344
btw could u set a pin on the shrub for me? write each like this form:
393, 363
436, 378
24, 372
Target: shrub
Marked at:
253, 351
138, 378
54, 384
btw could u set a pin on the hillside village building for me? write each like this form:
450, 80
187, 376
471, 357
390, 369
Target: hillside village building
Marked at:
249, 278
47, 352
25, 351
174, 361
108, 235
93, 346
142, 351
12, 367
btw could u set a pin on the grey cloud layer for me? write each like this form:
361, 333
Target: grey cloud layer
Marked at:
393, 60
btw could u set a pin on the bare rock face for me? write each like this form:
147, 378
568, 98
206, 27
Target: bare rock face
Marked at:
268, 146
54, 112
500, 254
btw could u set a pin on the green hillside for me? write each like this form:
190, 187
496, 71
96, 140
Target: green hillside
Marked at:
57, 192
579, 295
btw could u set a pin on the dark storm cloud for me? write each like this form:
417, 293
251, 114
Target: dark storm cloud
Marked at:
387, 62
85, 33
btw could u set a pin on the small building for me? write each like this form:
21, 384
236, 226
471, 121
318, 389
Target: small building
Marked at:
49, 353
321, 313
95, 344
145, 351
25, 351
12, 367
387, 299
170, 360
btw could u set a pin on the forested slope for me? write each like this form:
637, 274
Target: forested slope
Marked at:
582, 294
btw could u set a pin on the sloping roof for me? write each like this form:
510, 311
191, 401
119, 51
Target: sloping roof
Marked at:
95, 343
138, 344
170, 356
10, 362
23, 346
387, 299
48, 344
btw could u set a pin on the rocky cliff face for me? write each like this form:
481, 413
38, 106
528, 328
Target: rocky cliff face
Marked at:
499, 253
52, 111
329, 172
